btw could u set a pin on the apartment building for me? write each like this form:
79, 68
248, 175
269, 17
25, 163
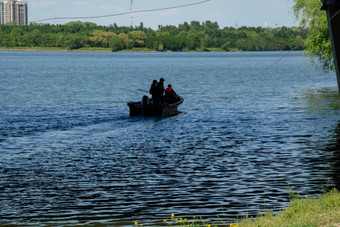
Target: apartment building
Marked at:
13, 11
1, 13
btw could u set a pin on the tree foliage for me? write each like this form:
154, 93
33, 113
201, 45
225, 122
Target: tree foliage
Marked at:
317, 44
193, 36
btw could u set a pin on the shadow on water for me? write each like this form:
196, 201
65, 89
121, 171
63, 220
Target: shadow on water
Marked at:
333, 148
325, 103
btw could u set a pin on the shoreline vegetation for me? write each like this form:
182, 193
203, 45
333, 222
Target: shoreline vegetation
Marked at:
96, 49
186, 37
322, 210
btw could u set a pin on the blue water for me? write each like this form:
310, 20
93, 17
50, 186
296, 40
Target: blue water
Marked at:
250, 126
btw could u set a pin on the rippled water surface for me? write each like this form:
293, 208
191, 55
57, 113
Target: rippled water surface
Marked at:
71, 155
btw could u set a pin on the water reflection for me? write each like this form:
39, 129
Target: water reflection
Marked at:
333, 149
325, 105
323, 101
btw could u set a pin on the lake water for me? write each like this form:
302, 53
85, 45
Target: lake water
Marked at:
251, 124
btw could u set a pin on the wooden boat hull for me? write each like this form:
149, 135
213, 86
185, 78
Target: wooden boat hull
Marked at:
147, 109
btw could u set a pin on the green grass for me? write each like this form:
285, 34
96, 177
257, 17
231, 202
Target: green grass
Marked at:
93, 49
139, 49
213, 49
310, 211
323, 210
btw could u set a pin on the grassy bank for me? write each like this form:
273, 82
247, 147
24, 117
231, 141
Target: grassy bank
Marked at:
323, 210
311, 211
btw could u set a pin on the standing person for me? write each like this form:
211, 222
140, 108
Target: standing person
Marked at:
153, 91
160, 89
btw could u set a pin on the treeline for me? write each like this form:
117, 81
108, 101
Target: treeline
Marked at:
194, 36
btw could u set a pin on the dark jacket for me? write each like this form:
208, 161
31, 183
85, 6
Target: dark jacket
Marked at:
153, 89
160, 88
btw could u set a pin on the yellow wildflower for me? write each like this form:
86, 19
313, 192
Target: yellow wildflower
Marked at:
232, 225
165, 220
136, 223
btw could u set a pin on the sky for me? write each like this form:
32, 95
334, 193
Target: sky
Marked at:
227, 13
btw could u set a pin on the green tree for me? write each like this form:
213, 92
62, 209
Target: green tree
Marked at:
226, 46
101, 38
184, 37
126, 39
116, 43
158, 46
138, 38
211, 28
33, 38
193, 41
196, 26
172, 30
72, 42
184, 27
317, 44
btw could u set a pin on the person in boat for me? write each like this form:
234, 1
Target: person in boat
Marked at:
170, 95
160, 90
153, 91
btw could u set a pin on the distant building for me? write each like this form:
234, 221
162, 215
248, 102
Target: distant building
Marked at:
13, 11
1, 13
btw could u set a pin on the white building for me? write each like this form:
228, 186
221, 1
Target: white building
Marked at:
13, 11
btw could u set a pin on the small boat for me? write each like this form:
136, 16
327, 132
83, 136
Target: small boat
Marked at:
147, 108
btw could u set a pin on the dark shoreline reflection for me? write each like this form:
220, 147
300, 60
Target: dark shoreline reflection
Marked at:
333, 149
324, 104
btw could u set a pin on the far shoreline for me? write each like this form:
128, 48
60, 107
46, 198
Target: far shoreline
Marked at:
141, 50
135, 50
52, 49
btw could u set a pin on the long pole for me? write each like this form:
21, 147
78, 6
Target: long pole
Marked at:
143, 90
131, 3
332, 8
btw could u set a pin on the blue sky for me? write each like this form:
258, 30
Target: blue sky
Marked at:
271, 13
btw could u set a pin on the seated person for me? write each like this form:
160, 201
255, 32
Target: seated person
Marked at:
170, 95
